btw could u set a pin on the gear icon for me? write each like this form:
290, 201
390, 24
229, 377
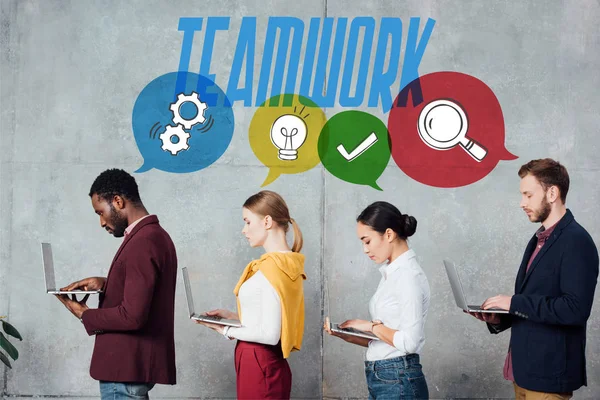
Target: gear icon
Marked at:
181, 143
200, 108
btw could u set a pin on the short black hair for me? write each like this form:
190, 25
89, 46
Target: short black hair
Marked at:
115, 182
382, 215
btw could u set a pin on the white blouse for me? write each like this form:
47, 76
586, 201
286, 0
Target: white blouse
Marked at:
261, 312
401, 303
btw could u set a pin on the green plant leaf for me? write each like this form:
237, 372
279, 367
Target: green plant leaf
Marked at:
11, 330
5, 360
8, 347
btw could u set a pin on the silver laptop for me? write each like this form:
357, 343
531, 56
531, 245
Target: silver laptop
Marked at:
346, 331
351, 332
204, 318
49, 274
459, 294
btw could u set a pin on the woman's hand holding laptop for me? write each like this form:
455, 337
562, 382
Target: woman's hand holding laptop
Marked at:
226, 314
222, 313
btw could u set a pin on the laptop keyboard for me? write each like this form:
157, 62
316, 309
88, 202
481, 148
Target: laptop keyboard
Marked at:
478, 308
351, 330
212, 317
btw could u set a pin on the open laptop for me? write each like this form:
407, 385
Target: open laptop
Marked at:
49, 274
346, 331
351, 332
205, 318
459, 294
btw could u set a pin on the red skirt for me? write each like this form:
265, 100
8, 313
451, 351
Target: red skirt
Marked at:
261, 371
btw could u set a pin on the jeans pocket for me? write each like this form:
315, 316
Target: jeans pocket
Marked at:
387, 374
138, 389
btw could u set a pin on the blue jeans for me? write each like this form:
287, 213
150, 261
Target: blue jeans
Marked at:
396, 378
121, 390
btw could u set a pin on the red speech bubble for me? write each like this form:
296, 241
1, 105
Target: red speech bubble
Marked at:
447, 130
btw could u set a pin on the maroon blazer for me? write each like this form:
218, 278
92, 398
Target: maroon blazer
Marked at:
134, 321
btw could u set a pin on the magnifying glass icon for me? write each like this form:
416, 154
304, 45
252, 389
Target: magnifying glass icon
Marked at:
443, 124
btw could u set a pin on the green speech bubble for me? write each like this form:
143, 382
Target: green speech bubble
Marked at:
355, 147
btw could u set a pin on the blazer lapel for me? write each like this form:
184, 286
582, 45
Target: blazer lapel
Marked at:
566, 220
521, 274
551, 240
148, 220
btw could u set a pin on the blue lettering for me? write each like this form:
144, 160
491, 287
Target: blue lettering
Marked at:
213, 25
318, 83
383, 81
188, 26
413, 54
321, 96
245, 45
309, 56
285, 25
345, 100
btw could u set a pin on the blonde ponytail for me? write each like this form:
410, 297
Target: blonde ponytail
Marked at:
298, 242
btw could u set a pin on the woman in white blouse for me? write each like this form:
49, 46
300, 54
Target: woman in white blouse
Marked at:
398, 308
270, 298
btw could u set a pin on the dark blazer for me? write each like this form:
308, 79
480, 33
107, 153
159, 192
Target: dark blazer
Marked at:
550, 309
134, 321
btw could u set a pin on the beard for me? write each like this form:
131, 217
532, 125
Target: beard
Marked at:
119, 222
542, 214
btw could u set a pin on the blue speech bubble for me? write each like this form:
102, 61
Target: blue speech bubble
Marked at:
166, 131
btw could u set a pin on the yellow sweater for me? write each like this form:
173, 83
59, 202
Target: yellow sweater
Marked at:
283, 271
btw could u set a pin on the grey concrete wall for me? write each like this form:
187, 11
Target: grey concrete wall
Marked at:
70, 73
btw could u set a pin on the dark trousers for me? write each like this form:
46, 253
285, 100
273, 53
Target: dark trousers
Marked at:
261, 371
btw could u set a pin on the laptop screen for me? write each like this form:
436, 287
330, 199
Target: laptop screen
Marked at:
457, 290
188, 291
48, 266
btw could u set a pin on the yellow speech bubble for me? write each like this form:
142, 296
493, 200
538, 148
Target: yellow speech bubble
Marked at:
284, 135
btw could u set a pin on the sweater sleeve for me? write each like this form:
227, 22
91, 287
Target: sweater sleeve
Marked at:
261, 312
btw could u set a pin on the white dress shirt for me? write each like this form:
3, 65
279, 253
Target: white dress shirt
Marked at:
261, 312
400, 302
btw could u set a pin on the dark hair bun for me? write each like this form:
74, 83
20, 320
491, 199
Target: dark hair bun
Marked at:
410, 225
382, 215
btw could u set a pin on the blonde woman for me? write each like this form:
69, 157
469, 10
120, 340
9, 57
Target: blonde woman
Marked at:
270, 298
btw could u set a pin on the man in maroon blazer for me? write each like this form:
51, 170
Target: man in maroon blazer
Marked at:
134, 321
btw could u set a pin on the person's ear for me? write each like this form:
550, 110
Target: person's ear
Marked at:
390, 235
268, 222
552, 194
118, 202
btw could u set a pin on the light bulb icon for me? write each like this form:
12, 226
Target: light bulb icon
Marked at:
288, 133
